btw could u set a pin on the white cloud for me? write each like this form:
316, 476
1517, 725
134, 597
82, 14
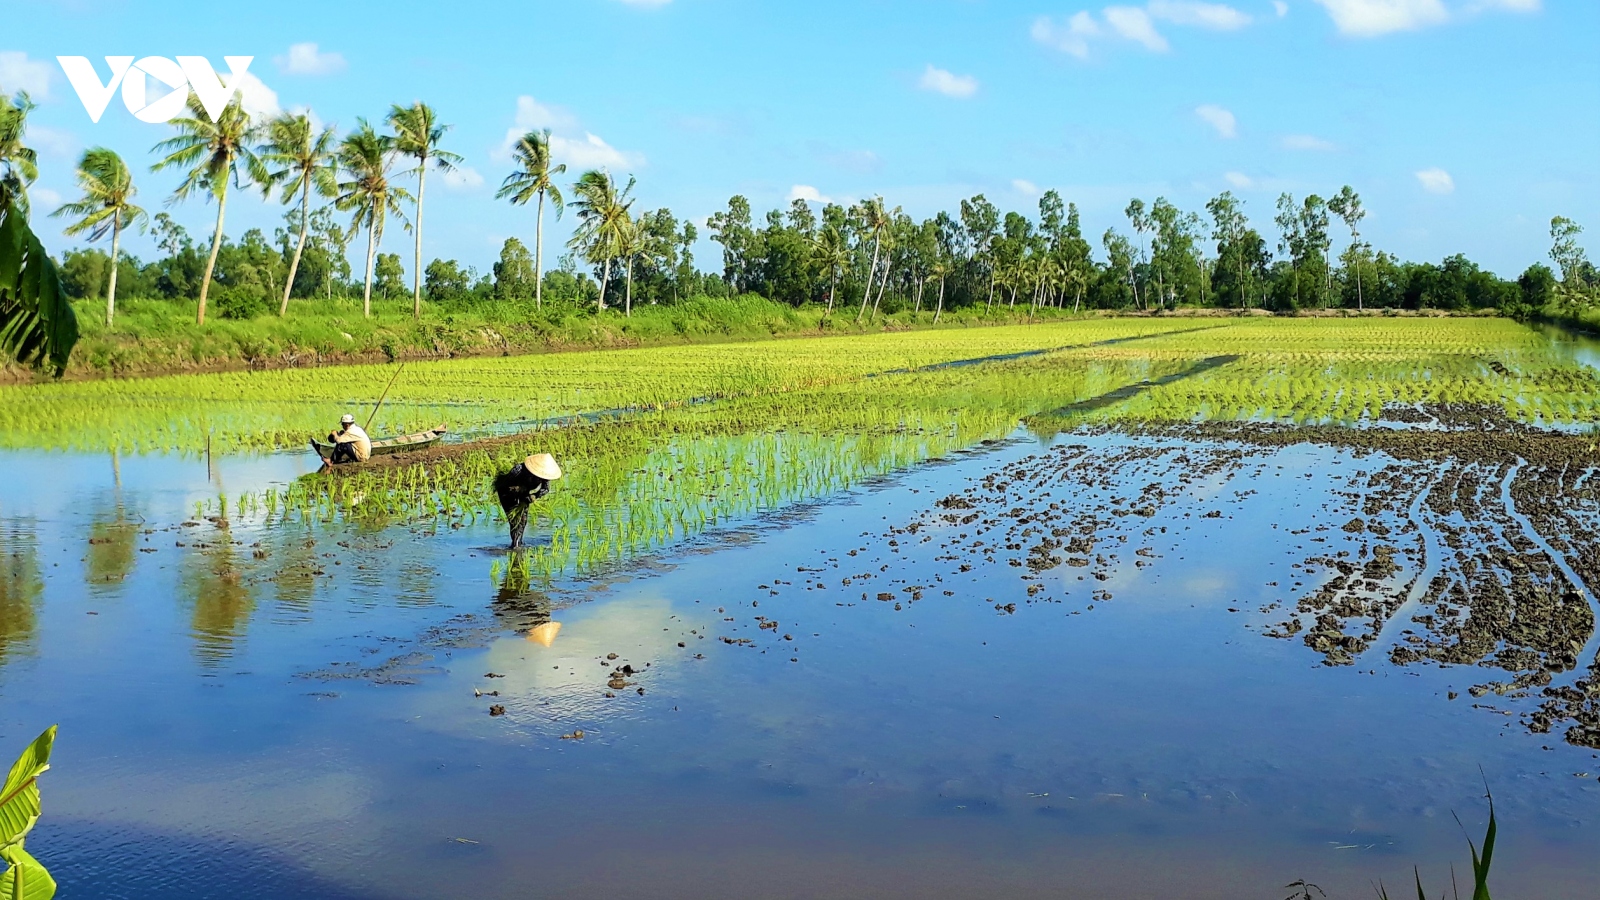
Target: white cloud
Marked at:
808, 193
53, 142
569, 143
462, 178
531, 114
1137, 24
260, 101
947, 83
1024, 186
1281, 7
590, 152
1370, 18
306, 59
863, 162
1072, 37
1239, 180
19, 73
1436, 181
1306, 142
1134, 24
44, 199
1220, 119
1214, 16
1521, 6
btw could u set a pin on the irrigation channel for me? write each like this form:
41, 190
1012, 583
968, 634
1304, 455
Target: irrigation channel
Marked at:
1143, 609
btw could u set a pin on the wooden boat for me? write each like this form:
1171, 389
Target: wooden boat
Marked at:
402, 444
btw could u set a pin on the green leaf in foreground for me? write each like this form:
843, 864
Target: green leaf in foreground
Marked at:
19, 799
26, 879
37, 325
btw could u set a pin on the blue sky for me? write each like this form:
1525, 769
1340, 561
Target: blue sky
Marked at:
1464, 124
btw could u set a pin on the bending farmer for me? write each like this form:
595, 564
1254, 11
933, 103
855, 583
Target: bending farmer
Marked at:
350, 442
526, 482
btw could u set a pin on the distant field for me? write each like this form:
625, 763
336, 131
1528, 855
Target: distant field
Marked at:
282, 408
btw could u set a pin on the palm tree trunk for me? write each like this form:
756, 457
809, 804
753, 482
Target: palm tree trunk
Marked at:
538, 256
116, 244
882, 283
416, 273
366, 297
211, 261
871, 271
940, 311
833, 286
294, 264
1360, 303
627, 295
605, 279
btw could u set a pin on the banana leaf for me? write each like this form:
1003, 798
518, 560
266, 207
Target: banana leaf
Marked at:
37, 325
26, 879
19, 796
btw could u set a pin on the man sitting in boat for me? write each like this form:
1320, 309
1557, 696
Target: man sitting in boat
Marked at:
350, 442
526, 482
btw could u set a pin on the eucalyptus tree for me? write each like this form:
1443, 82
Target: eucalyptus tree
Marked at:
602, 212
1120, 254
940, 268
1140, 220
1228, 226
1347, 206
417, 134
535, 178
299, 158
1314, 225
106, 208
215, 152
981, 221
19, 164
363, 188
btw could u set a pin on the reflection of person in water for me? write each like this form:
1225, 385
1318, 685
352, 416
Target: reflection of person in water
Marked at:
526, 482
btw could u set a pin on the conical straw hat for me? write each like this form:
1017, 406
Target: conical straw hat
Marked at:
544, 634
543, 465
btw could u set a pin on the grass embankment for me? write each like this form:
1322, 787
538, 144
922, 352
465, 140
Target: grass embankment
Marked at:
155, 337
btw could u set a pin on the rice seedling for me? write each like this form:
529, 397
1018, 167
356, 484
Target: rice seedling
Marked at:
252, 411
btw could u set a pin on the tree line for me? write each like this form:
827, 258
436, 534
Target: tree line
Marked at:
862, 259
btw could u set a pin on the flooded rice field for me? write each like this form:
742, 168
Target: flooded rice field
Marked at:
1177, 611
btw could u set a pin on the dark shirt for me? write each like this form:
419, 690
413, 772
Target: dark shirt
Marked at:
518, 487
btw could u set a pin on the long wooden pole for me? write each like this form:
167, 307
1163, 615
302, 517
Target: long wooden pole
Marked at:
383, 395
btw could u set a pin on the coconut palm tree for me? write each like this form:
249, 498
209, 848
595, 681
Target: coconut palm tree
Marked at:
417, 134
19, 165
632, 241
535, 177
214, 152
833, 251
106, 208
602, 218
302, 157
874, 221
363, 187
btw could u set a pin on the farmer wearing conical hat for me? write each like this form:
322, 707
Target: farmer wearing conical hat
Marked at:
526, 482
